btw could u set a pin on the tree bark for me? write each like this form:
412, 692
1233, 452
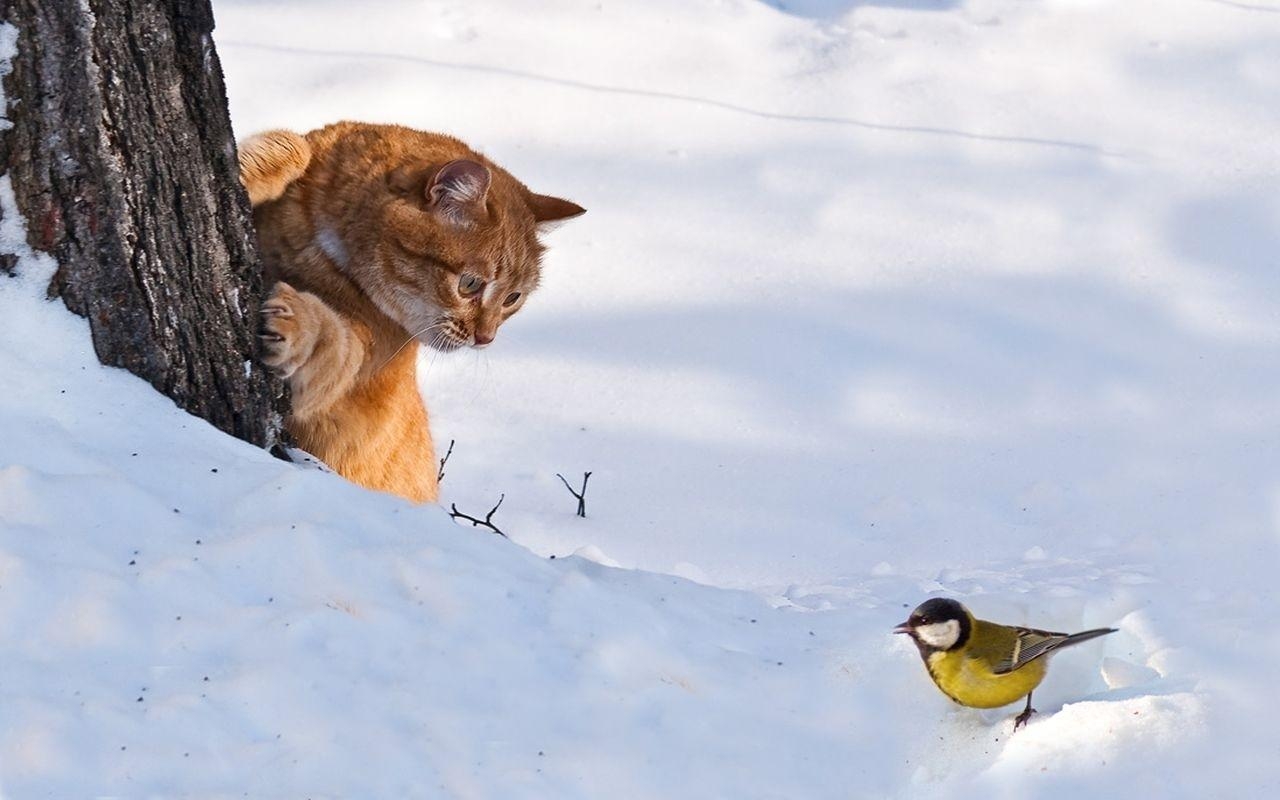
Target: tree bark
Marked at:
123, 163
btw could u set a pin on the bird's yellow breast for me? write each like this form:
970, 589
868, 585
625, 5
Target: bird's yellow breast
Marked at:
970, 682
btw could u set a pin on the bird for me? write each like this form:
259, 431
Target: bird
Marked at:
984, 664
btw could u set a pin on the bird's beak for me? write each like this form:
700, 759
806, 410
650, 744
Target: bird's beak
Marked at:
905, 627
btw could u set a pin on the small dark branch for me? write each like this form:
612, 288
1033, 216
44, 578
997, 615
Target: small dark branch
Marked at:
443, 461
580, 495
487, 522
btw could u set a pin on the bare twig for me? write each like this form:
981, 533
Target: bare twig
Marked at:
443, 461
487, 522
581, 495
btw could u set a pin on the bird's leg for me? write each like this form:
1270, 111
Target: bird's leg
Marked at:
1022, 718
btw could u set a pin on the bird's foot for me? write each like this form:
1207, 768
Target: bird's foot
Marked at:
1022, 718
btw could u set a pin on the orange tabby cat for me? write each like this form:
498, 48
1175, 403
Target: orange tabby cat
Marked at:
382, 237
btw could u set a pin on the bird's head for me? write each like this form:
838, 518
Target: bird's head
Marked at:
938, 624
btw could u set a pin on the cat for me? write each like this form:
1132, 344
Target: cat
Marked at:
380, 238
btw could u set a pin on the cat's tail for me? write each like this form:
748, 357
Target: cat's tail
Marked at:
270, 161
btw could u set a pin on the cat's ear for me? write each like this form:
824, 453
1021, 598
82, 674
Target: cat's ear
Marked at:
458, 190
552, 209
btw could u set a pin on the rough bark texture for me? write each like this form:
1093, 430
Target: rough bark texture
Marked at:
123, 162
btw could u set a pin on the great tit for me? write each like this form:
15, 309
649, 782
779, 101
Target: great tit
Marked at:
982, 664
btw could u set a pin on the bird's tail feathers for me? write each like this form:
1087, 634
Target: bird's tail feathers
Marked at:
1084, 636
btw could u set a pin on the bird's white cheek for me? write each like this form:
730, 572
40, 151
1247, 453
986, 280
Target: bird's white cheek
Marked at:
939, 634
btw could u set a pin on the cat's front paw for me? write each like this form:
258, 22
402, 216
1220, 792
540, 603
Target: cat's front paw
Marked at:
288, 329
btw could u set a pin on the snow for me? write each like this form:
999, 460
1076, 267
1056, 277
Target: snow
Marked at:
873, 300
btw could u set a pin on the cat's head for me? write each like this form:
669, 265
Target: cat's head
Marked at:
457, 250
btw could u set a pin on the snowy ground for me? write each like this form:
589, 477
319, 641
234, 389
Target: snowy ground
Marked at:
873, 300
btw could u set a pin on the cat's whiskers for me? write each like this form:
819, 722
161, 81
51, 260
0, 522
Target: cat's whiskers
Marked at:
431, 362
405, 343
443, 340
482, 356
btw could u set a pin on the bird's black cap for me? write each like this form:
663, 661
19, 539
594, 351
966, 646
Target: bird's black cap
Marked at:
937, 609
934, 610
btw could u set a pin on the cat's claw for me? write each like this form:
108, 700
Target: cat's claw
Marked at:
282, 332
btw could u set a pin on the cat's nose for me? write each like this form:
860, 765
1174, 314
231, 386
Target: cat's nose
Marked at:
483, 339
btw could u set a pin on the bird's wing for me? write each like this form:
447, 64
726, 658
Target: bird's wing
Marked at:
1028, 645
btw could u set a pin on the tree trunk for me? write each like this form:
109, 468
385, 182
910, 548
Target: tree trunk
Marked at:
123, 163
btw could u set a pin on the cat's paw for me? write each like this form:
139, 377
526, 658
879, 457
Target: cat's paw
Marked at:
288, 329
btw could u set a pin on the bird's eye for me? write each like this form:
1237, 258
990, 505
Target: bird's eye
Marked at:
469, 284
511, 299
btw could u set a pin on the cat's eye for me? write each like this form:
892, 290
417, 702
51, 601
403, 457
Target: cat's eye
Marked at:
511, 299
469, 284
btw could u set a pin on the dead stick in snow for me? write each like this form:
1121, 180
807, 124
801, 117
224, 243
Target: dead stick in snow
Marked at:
443, 461
582, 495
487, 522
